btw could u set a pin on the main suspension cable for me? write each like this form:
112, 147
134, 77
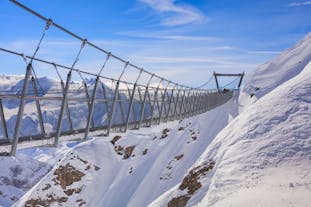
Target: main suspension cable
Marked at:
87, 42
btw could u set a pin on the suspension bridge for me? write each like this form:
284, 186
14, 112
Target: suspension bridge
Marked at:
80, 102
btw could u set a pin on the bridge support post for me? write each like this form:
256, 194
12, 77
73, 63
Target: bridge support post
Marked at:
179, 114
199, 102
155, 99
196, 99
216, 80
3, 122
89, 101
134, 112
163, 103
34, 86
176, 105
195, 103
169, 104
116, 92
91, 110
191, 103
121, 110
150, 106
142, 109
106, 101
142, 112
199, 108
140, 102
187, 102
67, 108
241, 79
202, 102
130, 108
61, 113
206, 102
113, 107
21, 110
63, 90
184, 104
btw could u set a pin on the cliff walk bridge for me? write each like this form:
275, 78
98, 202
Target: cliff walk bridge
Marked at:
75, 101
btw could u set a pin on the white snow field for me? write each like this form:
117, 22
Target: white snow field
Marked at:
255, 150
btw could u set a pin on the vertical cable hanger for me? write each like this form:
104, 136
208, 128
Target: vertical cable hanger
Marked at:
104, 65
78, 55
48, 23
115, 95
77, 58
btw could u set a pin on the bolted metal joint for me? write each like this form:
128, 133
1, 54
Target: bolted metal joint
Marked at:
49, 22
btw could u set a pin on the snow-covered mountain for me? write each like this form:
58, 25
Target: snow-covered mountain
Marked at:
262, 158
7, 82
50, 109
273, 73
258, 156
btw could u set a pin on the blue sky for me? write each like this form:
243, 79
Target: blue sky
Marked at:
182, 40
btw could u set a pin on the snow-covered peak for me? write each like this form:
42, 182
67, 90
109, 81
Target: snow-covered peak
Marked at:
9, 81
14, 83
268, 76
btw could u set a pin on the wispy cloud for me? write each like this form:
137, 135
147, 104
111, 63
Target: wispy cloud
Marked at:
175, 14
223, 61
304, 3
165, 36
265, 52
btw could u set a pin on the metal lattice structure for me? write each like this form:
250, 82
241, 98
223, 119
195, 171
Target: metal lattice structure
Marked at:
71, 107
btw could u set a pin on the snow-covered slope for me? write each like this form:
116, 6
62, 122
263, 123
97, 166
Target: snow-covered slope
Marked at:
262, 158
268, 76
134, 170
19, 174
265, 155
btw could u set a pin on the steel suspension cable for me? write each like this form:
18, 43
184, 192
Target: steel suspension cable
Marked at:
73, 69
206, 83
230, 82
